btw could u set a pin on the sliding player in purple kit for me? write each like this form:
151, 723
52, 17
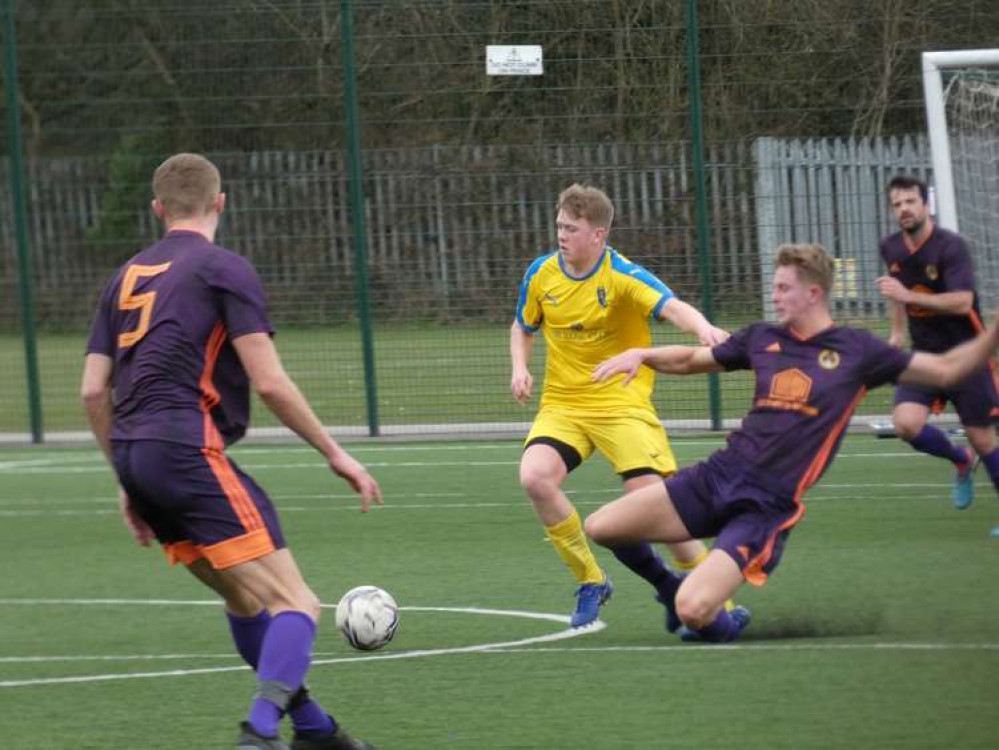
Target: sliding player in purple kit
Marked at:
180, 335
810, 376
931, 282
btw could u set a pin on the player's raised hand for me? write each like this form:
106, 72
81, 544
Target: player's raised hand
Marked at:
891, 288
712, 336
521, 384
140, 530
347, 467
628, 362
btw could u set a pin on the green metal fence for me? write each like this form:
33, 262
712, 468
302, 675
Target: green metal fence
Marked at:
403, 327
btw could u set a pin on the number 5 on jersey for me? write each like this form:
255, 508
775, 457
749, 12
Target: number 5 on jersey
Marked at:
142, 302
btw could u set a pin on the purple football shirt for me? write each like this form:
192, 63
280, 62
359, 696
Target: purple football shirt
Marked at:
941, 264
167, 318
806, 391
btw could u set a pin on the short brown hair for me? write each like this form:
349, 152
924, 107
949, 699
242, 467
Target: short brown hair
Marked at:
907, 182
811, 261
587, 202
186, 185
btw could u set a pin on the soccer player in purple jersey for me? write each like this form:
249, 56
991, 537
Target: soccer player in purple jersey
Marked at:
931, 283
180, 335
810, 376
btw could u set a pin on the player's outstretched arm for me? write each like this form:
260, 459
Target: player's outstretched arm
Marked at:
949, 368
689, 319
672, 360
521, 346
280, 394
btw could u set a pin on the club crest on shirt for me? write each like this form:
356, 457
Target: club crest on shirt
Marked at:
828, 359
602, 296
931, 273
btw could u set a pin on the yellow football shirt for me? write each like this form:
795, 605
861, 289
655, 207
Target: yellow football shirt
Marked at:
587, 320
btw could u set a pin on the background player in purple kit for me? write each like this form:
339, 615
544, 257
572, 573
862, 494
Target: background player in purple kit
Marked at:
931, 283
810, 376
180, 334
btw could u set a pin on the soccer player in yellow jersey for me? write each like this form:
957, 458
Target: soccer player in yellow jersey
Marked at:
593, 303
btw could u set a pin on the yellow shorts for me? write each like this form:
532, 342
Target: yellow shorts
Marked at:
630, 441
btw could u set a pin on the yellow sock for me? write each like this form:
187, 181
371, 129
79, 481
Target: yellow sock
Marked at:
688, 566
570, 544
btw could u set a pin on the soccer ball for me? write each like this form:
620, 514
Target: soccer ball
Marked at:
367, 616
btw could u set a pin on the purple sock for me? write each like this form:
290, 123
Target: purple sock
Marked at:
934, 442
722, 629
643, 560
248, 634
991, 464
284, 659
310, 718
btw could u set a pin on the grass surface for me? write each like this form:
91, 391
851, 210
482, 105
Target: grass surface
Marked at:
878, 630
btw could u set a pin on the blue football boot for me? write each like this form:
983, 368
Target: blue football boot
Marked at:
589, 598
964, 482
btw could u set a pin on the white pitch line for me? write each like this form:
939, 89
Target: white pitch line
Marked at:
391, 656
391, 507
55, 468
749, 646
110, 499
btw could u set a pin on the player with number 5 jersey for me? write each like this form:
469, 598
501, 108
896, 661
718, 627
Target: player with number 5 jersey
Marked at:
180, 336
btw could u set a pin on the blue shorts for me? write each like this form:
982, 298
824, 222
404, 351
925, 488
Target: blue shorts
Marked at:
197, 502
975, 399
750, 521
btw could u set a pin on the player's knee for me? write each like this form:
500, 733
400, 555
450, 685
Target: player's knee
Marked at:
314, 607
597, 528
538, 485
907, 429
982, 441
242, 603
695, 609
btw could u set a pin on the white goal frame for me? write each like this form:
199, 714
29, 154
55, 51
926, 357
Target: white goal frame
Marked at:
934, 63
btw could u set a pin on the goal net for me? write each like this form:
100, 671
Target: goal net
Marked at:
964, 135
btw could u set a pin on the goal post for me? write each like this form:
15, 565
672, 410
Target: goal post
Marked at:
961, 88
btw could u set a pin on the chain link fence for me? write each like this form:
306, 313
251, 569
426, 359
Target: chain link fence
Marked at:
460, 171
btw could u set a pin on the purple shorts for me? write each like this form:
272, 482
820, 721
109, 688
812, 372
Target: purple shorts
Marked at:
975, 399
197, 502
750, 522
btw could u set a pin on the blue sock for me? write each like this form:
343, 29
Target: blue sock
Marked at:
934, 442
991, 464
284, 659
248, 634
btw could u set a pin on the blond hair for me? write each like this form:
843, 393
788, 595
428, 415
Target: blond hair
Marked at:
186, 185
587, 202
811, 261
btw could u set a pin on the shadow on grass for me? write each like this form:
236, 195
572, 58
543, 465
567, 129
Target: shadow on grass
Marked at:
805, 626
